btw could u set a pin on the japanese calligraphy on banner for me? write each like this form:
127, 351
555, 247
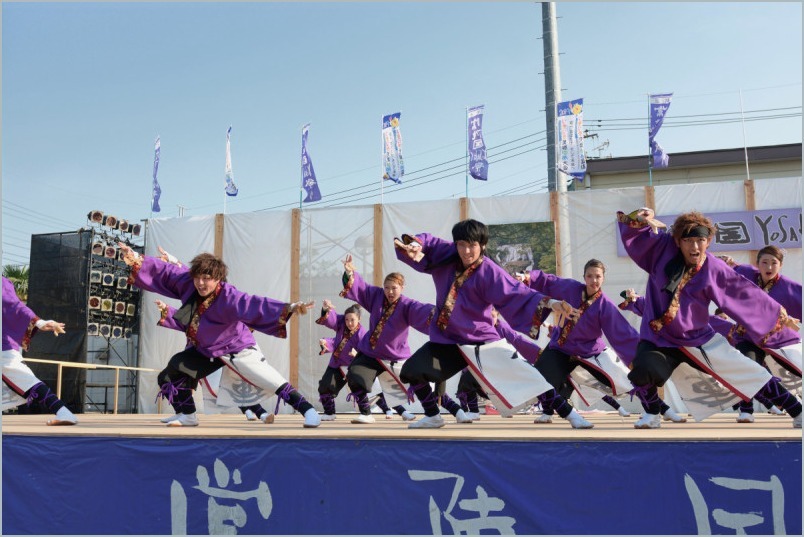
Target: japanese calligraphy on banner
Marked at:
570, 158
659, 104
748, 230
392, 148
309, 182
478, 165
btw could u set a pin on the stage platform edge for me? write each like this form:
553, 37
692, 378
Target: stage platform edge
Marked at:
129, 474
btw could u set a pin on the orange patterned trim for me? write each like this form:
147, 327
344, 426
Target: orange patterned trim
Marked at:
452, 295
780, 322
387, 311
323, 318
134, 270
348, 285
29, 332
672, 310
344, 340
570, 324
192, 328
769, 285
536, 322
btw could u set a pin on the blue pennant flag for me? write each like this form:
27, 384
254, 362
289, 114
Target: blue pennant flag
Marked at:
392, 148
157, 190
478, 164
659, 104
231, 188
309, 182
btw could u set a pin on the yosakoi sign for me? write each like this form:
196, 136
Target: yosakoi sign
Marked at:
748, 230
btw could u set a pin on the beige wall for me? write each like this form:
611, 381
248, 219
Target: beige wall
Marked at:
706, 174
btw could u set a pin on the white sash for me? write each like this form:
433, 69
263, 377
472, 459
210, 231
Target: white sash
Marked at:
733, 376
508, 379
608, 363
790, 356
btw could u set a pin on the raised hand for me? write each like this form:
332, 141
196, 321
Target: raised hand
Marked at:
53, 326
168, 258
129, 256
327, 305
563, 311
348, 266
301, 307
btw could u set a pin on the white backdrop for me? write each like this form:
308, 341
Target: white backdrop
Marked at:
257, 246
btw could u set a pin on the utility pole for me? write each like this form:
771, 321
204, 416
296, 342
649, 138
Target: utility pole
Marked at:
552, 93
556, 181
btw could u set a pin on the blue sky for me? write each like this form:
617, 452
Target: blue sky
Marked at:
88, 87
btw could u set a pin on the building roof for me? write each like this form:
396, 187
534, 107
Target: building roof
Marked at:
697, 159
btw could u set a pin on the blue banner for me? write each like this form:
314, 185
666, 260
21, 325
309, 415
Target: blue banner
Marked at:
309, 182
192, 485
392, 148
230, 188
478, 164
157, 190
659, 104
570, 158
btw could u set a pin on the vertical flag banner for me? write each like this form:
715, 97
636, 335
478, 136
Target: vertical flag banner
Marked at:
478, 165
570, 157
659, 104
231, 188
392, 148
309, 182
157, 190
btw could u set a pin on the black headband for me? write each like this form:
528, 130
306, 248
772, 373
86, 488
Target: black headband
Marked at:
697, 231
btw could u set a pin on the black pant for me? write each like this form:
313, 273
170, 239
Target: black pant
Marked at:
332, 381
654, 365
362, 373
555, 366
433, 362
189, 364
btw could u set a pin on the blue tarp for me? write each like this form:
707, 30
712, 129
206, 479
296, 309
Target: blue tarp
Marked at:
83, 485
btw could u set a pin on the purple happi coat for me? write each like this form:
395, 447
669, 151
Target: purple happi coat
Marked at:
469, 306
224, 327
19, 321
584, 338
687, 325
524, 345
339, 348
386, 338
783, 290
722, 326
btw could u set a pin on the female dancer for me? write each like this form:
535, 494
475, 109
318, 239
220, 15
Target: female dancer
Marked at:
348, 333
786, 361
580, 341
384, 348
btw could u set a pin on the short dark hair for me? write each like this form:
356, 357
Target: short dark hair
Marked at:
594, 263
354, 308
207, 263
471, 231
775, 251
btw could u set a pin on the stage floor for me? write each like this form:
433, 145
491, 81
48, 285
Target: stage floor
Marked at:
608, 426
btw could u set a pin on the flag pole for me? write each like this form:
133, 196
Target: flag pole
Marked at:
745, 144
650, 157
382, 160
466, 150
301, 178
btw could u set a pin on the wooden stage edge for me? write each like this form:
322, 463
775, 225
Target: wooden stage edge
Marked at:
609, 426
